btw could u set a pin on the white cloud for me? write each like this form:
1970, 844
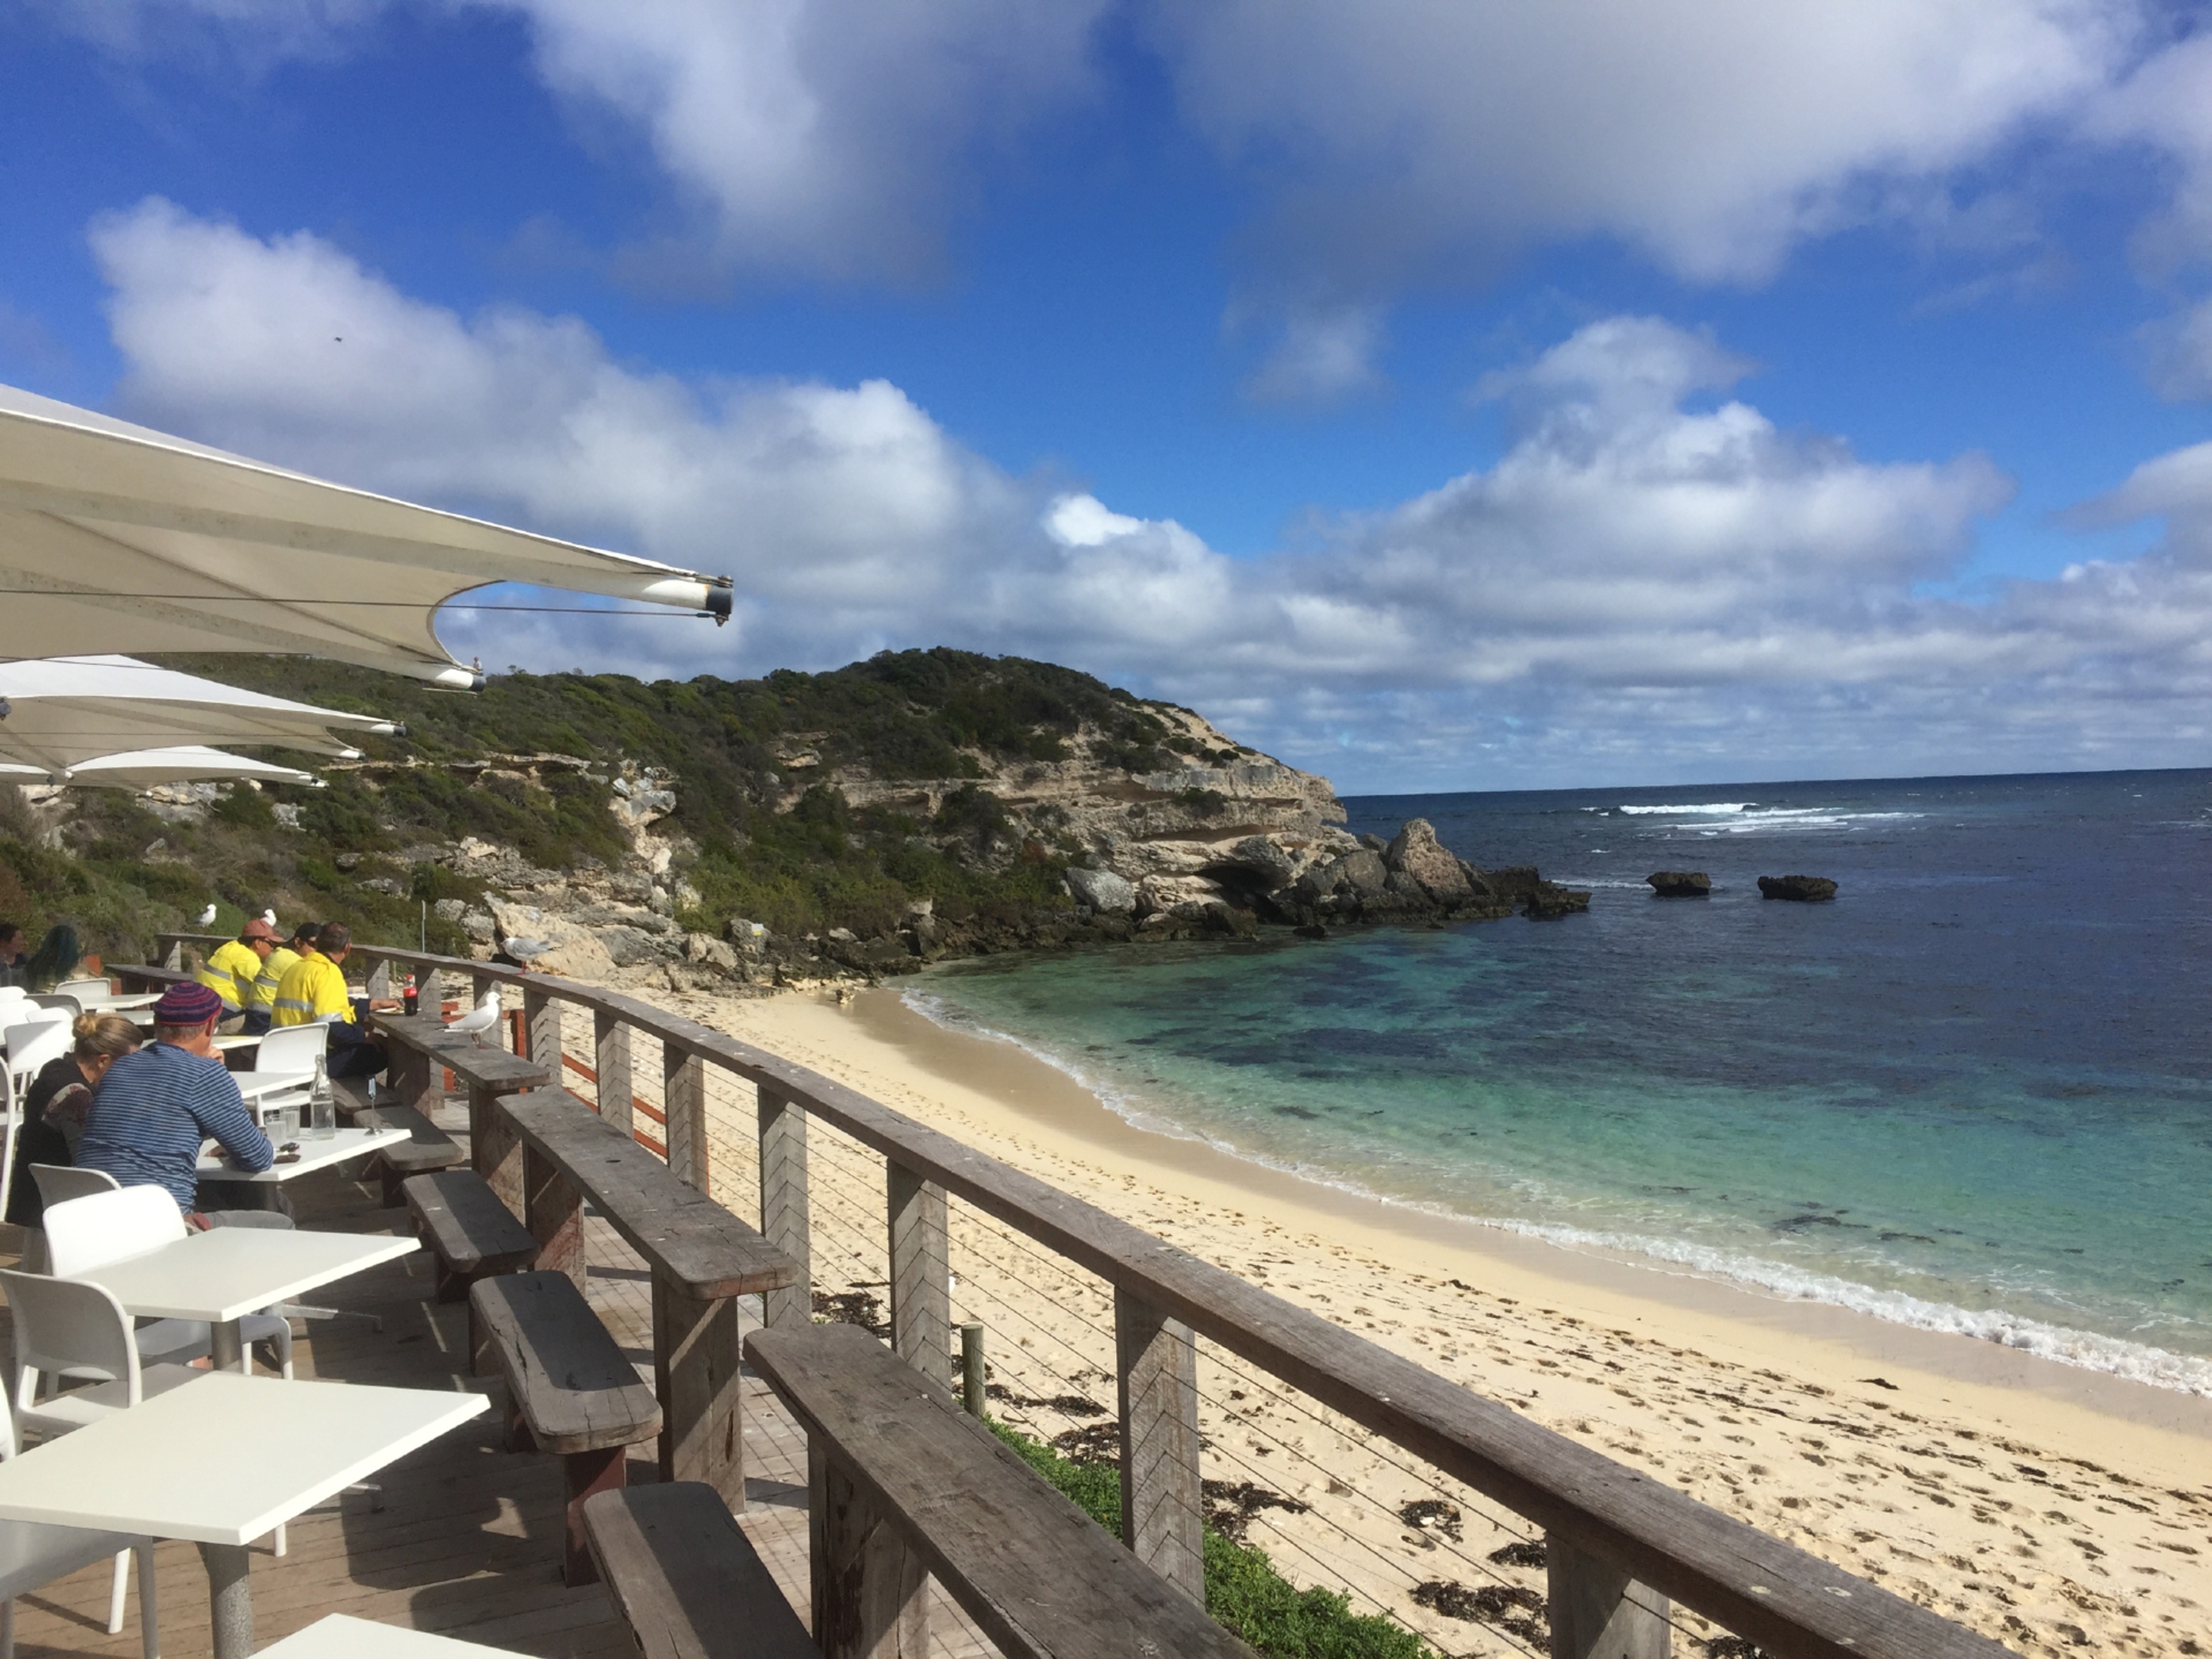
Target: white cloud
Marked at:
1405, 141
1712, 135
802, 138
1653, 582
1324, 355
817, 141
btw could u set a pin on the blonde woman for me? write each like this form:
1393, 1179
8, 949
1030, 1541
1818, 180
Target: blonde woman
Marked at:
60, 1104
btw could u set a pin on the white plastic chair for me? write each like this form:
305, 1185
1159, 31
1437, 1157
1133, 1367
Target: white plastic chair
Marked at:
84, 1234
288, 1049
64, 1327
30, 1043
87, 1233
37, 1036
86, 991
33, 1555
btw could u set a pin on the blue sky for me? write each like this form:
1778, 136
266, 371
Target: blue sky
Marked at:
1463, 397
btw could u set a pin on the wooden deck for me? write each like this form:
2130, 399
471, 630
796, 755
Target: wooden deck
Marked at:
467, 1543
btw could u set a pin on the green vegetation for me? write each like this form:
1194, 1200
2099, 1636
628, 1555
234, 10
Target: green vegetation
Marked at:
1243, 1590
729, 746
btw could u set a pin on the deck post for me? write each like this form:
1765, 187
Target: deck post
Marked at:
975, 1389
1163, 1501
783, 1200
922, 1303
553, 1210
695, 1358
1594, 1614
416, 1077
684, 1097
610, 1057
541, 1015
494, 1152
871, 1590
379, 983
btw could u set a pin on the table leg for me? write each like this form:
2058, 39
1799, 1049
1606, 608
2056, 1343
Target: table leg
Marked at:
227, 1347
230, 1600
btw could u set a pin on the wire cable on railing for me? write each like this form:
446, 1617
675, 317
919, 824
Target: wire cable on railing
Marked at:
1228, 1412
1303, 1546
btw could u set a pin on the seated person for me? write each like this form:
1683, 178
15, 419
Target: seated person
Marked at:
54, 961
233, 972
15, 950
60, 1104
154, 1108
315, 994
280, 961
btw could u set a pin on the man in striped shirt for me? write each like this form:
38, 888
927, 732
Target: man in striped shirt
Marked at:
155, 1108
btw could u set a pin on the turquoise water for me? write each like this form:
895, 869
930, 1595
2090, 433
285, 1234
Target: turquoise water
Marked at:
1968, 1096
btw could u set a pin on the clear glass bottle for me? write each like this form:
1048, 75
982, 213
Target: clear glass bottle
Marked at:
322, 1104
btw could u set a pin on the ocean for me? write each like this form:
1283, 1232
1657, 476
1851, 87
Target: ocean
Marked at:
1968, 1095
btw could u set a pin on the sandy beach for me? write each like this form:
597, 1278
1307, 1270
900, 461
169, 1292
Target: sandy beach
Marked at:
2051, 1507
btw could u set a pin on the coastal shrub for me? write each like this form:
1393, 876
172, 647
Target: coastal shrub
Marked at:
1243, 1590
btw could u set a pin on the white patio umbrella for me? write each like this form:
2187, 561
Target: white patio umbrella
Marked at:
115, 538
143, 769
57, 713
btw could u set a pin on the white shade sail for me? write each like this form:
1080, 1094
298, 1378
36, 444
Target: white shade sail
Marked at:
143, 769
65, 711
115, 538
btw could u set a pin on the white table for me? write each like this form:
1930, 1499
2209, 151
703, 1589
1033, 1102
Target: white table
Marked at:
116, 1004
342, 1636
253, 1085
238, 1039
221, 1460
223, 1274
314, 1154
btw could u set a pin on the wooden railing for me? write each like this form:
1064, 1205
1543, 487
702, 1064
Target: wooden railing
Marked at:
1619, 1545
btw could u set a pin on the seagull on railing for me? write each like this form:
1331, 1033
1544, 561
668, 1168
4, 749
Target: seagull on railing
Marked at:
480, 1019
206, 918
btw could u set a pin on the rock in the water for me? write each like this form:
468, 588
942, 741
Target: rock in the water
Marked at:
1415, 853
1550, 901
1680, 884
1101, 890
1809, 890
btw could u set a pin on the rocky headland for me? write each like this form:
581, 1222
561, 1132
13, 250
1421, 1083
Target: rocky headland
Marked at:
717, 834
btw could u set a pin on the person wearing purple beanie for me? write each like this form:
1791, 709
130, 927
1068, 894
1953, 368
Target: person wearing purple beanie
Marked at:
154, 1109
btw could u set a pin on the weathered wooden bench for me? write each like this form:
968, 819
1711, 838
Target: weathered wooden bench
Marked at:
904, 1485
427, 1150
700, 1256
686, 1580
422, 1047
471, 1233
569, 1390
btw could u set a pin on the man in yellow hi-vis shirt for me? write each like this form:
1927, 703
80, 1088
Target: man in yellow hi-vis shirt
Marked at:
234, 971
315, 994
274, 966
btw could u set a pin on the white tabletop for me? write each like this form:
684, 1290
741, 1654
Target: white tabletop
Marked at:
236, 1040
342, 1636
251, 1085
172, 1467
314, 1154
112, 1003
228, 1272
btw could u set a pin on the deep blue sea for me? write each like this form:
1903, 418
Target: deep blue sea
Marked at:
1970, 1094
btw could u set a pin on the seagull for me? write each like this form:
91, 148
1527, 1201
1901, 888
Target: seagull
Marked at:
269, 916
206, 918
480, 1019
523, 950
